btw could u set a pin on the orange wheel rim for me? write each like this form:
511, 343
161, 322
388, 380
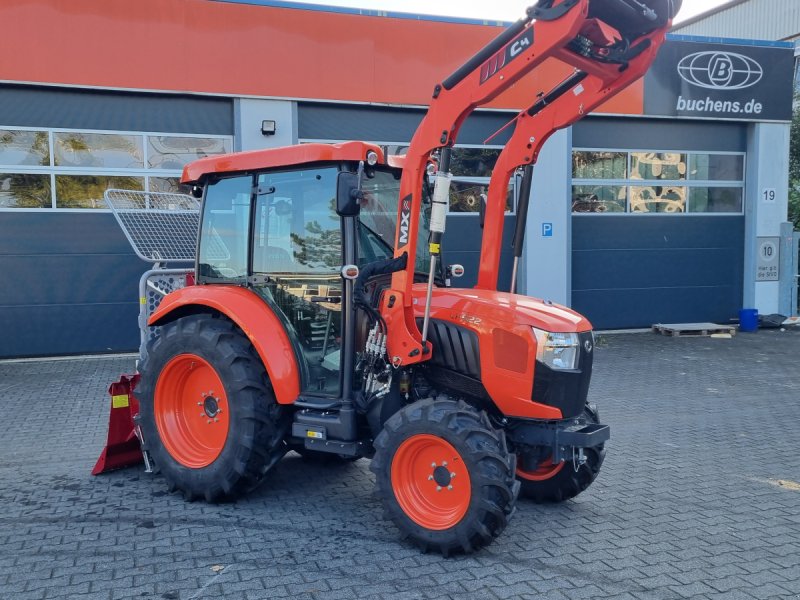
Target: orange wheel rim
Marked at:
431, 482
545, 470
191, 411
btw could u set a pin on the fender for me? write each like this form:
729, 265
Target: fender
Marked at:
255, 318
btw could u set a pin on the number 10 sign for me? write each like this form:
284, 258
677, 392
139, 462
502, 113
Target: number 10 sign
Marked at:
768, 259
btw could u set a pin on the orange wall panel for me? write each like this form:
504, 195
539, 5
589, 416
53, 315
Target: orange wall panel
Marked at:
239, 49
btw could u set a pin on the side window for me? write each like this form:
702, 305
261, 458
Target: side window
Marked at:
297, 241
226, 219
296, 227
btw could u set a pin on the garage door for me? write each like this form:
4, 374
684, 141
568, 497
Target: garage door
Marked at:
657, 227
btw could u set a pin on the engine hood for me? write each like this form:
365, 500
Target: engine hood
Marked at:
471, 306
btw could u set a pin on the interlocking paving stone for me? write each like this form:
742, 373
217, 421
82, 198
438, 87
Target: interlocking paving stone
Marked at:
688, 503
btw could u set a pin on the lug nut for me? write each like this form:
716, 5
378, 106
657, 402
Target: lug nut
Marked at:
433, 465
452, 475
449, 487
438, 488
430, 477
444, 464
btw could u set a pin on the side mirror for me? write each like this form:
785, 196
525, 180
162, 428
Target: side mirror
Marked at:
348, 193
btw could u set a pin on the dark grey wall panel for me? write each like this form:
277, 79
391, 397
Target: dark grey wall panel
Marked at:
68, 329
634, 271
387, 124
610, 132
40, 106
462, 245
70, 284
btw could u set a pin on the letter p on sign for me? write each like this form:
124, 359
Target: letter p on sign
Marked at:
547, 230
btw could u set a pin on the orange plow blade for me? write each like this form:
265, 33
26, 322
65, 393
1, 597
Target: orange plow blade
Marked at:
122, 447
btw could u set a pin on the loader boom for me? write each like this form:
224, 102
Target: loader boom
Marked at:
608, 43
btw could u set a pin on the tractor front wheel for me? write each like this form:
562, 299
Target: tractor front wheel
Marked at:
209, 418
445, 476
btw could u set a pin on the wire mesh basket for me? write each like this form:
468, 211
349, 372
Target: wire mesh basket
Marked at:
160, 226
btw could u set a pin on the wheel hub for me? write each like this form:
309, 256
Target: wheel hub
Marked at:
441, 475
191, 411
423, 469
211, 407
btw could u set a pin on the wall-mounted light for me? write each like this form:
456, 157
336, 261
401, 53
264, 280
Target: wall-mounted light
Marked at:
267, 127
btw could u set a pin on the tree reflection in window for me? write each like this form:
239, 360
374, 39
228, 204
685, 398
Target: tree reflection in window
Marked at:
599, 198
599, 165
24, 190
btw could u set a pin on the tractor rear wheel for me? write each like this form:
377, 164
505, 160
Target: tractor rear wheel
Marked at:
556, 483
445, 476
209, 418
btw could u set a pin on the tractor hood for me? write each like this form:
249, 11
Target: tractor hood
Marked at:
474, 306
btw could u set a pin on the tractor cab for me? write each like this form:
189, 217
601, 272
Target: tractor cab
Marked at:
287, 232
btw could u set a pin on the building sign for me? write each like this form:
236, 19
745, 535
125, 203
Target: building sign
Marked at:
720, 81
768, 259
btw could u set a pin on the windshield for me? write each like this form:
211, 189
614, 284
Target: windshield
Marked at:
378, 216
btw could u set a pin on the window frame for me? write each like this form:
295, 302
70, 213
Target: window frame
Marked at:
687, 183
52, 170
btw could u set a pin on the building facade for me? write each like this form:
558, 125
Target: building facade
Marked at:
659, 208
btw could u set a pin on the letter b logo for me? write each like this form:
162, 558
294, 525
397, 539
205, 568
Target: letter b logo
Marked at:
720, 70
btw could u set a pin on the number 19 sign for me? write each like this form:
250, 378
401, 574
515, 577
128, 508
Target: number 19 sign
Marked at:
768, 259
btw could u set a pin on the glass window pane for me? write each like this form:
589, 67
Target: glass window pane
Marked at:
21, 190
465, 196
473, 162
86, 191
105, 150
656, 165
715, 199
599, 165
24, 148
171, 185
225, 222
296, 227
658, 199
716, 167
173, 152
598, 198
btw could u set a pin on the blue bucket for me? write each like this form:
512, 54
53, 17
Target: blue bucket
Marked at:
748, 320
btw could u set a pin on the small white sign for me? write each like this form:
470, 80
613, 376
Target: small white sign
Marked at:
768, 195
768, 259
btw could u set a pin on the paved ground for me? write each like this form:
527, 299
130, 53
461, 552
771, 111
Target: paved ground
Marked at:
696, 499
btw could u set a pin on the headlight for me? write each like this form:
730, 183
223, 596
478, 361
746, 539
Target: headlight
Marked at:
557, 350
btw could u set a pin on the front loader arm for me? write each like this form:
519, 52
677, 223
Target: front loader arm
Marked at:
549, 28
591, 84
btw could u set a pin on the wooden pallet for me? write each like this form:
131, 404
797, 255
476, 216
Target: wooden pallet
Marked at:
693, 329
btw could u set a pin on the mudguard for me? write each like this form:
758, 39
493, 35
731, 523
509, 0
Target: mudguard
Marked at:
262, 327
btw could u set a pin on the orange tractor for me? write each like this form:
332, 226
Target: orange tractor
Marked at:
318, 317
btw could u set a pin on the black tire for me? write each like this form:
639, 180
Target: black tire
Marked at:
257, 424
568, 482
486, 459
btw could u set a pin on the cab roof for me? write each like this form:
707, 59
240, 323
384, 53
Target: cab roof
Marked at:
278, 157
